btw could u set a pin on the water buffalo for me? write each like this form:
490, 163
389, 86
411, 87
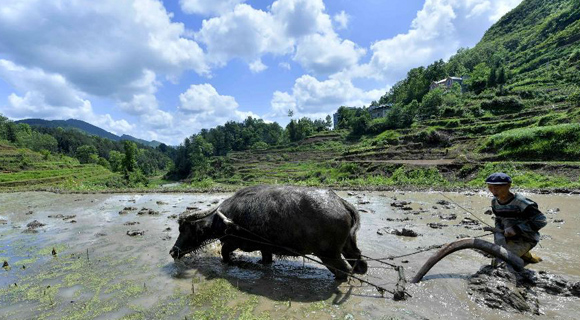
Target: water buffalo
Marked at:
281, 220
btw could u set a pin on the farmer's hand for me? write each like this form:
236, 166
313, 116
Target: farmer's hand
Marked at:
509, 232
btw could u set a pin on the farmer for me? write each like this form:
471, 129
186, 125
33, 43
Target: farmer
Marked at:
517, 218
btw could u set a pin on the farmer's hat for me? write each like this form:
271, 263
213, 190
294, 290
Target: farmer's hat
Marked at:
498, 178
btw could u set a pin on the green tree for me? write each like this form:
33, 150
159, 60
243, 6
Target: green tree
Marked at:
430, 104
116, 160
328, 122
574, 98
87, 154
200, 151
345, 117
11, 132
130, 159
104, 163
491, 78
361, 124
478, 77
304, 128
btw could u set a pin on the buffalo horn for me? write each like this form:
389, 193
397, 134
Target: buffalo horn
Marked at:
194, 216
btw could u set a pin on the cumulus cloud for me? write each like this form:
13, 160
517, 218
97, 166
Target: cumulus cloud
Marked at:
201, 106
341, 19
60, 56
158, 119
311, 97
301, 17
208, 7
439, 29
257, 66
301, 27
326, 55
204, 98
50, 96
245, 33
101, 48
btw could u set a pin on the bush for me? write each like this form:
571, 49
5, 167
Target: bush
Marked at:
574, 98
260, 145
502, 105
557, 142
432, 137
350, 170
448, 111
574, 56
424, 177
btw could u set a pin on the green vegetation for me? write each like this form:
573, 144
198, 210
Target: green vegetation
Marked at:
558, 142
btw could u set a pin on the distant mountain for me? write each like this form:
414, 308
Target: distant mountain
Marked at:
141, 141
87, 128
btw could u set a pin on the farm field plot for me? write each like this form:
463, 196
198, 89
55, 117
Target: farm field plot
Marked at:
91, 268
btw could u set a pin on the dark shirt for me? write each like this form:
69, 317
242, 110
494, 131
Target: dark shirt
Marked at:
520, 213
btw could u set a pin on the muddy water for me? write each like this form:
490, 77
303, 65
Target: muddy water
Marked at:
99, 272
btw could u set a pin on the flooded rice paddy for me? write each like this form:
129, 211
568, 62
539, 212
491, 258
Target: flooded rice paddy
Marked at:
97, 257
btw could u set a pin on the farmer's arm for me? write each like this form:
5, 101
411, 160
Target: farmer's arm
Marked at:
535, 221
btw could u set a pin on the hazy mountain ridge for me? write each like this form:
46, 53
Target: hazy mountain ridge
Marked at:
87, 128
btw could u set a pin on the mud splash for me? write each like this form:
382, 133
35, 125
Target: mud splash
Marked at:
101, 273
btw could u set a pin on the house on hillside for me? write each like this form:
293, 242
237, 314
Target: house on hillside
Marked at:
448, 82
379, 111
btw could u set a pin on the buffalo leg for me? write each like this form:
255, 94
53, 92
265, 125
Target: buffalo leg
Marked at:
266, 257
353, 255
337, 266
227, 249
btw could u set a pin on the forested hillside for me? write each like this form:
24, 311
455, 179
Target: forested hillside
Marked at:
519, 101
34, 157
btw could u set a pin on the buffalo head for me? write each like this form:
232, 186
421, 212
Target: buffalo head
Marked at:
195, 231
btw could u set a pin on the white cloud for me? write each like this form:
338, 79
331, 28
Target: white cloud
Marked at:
257, 66
299, 26
439, 29
284, 65
499, 8
158, 119
50, 96
341, 19
208, 7
302, 17
327, 54
282, 103
314, 98
101, 48
58, 56
204, 98
245, 33
201, 106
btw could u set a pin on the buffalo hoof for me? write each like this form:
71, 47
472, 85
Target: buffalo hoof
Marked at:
360, 267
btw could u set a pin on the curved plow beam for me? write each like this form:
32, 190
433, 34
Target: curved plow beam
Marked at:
497, 251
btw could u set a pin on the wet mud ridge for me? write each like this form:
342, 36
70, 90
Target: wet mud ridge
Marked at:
500, 288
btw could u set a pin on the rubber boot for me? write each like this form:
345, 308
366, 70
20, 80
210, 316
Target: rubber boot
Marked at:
529, 257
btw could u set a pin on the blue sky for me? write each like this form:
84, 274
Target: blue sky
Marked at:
164, 70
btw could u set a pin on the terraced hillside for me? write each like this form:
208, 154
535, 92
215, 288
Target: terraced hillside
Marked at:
444, 152
22, 169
